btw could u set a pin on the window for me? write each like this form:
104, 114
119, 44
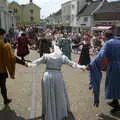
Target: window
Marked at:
31, 11
15, 10
73, 17
73, 6
68, 17
118, 31
17, 19
31, 18
85, 19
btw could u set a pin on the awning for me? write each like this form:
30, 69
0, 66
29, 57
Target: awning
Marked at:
102, 28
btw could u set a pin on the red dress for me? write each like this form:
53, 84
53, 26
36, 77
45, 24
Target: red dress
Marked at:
22, 48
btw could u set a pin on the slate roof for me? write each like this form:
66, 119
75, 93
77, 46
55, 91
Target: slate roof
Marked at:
109, 7
90, 8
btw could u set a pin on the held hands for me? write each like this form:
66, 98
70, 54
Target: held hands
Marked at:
26, 64
83, 68
88, 67
29, 64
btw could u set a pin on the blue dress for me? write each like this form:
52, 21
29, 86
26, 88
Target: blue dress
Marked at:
110, 50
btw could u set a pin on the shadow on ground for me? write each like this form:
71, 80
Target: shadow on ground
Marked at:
106, 117
7, 114
117, 115
71, 117
36, 118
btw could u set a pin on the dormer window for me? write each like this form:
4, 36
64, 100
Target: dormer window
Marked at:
31, 18
15, 10
31, 11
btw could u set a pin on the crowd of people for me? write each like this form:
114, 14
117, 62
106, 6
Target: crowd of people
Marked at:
55, 48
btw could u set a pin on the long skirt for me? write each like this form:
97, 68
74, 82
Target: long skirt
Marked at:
55, 103
84, 60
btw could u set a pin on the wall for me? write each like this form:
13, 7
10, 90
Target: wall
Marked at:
74, 13
31, 17
85, 22
17, 11
24, 14
66, 13
6, 18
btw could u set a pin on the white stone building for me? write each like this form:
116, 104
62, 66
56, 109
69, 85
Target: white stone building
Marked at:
55, 19
66, 13
74, 11
7, 19
85, 16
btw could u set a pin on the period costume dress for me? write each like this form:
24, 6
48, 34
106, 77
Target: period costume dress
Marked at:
55, 100
110, 50
22, 48
7, 60
44, 45
65, 45
85, 55
7, 64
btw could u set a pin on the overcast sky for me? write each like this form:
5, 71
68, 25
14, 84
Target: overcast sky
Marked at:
47, 6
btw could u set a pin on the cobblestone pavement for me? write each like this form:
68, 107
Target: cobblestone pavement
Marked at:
25, 91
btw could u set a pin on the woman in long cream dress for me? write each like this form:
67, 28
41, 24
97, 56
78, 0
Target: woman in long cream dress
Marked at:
55, 102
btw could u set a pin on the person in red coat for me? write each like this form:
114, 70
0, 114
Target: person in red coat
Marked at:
22, 48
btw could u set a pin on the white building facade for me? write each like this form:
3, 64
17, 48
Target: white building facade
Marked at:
74, 10
7, 19
86, 18
66, 13
85, 22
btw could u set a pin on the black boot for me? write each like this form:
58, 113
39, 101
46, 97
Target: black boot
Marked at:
115, 110
7, 101
114, 103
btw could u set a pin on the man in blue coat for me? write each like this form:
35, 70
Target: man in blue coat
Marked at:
110, 50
